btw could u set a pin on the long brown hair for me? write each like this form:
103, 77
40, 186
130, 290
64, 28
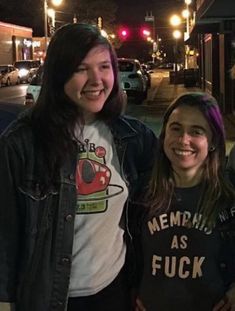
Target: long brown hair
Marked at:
162, 184
55, 115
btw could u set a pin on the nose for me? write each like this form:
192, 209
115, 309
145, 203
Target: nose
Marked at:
94, 76
184, 138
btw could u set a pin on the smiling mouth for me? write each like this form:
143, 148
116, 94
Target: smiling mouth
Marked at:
92, 93
183, 152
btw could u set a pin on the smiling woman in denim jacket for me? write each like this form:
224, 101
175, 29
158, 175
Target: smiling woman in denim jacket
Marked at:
68, 168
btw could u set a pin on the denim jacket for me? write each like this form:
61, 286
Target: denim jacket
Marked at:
37, 227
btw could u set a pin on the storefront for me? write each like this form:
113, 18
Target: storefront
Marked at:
215, 30
15, 42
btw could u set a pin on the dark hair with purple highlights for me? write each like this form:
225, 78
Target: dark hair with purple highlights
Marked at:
215, 187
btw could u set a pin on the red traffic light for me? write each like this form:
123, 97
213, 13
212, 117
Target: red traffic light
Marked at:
145, 32
123, 33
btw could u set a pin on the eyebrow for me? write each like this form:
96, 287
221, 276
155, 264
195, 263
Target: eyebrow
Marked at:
196, 126
102, 62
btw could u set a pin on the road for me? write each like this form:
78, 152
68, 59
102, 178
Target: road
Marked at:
149, 112
13, 94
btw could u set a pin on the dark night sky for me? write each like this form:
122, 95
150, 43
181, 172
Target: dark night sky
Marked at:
130, 13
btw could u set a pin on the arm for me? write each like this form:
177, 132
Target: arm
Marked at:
9, 224
228, 302
231, 296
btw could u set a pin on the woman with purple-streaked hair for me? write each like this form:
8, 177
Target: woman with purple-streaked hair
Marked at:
187, 232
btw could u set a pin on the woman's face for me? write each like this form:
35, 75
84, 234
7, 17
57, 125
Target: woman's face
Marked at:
187, 141
90, 86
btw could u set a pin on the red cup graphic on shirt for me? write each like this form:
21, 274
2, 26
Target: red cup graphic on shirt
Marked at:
93, 180
92, 176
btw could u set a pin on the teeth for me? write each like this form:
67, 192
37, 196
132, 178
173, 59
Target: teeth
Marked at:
95, 93
183, 153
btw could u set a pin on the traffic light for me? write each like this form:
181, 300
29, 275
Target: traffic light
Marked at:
123, 33
145, 32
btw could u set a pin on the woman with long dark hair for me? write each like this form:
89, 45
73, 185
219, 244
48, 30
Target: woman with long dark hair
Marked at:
68, 168
187, 230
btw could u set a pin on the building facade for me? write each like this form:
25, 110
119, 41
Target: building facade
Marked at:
212, 33
15, 42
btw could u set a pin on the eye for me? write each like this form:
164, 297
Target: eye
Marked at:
175, 128
198, 132
106, 66
81, 69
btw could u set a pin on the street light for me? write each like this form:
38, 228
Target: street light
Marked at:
175, 20
186, 15
177, 35
56, 3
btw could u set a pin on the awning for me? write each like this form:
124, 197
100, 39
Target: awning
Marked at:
200, 27
216, 9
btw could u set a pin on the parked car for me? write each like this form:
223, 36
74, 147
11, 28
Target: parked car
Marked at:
8, 113
166, 66
9, 75
147, 72
133, 79
34, 87
27, 69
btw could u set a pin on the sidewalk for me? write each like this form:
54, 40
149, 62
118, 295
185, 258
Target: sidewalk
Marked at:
167, 92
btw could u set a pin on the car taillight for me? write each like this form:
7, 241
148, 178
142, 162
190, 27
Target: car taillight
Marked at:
29, 100
133, 76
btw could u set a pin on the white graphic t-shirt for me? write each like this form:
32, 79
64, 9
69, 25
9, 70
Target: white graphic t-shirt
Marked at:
98, 248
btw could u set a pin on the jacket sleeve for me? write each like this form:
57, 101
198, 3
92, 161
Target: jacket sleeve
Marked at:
9, 222
227, 254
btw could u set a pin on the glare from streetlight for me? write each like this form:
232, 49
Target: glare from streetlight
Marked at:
104, 33
177, 34
185, 13
175, 20
188, 2
57, 2
51, 13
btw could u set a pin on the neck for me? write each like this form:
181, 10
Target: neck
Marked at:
185, 179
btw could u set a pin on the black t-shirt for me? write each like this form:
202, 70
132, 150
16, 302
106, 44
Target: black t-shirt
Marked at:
181, 258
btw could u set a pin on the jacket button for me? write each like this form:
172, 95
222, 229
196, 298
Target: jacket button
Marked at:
65, 260
69, 218
71, 177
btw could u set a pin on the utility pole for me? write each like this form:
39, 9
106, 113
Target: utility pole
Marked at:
149, 18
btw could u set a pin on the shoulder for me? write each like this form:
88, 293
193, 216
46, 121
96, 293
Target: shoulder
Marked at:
18, 131
231, 158
132, 126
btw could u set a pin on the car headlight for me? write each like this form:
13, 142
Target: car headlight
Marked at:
23, 72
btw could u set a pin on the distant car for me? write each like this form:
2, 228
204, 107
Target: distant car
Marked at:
34, 87
8, 113
132, 79
27, 69
9, 75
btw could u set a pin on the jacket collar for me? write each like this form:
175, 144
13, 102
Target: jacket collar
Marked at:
121, 128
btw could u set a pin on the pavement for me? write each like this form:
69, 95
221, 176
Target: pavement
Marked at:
167, 92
